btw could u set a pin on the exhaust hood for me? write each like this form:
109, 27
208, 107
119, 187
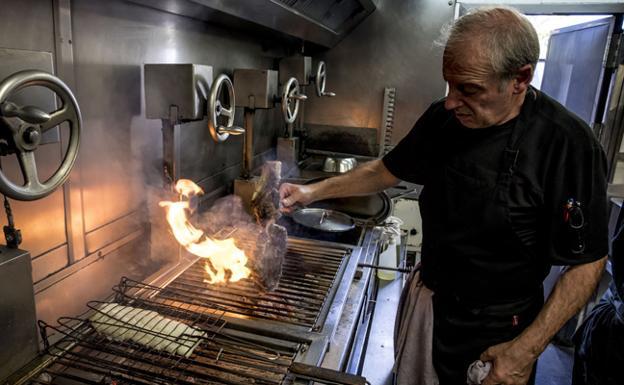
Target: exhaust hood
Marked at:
322, 22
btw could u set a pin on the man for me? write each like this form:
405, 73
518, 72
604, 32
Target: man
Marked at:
513, 183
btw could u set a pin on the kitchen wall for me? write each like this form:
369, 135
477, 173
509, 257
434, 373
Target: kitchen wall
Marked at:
393, 47
95, 229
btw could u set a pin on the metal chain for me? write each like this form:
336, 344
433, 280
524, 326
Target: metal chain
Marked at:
12, 235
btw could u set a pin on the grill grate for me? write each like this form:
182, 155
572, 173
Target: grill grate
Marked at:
84, 355
308, 274
222, 357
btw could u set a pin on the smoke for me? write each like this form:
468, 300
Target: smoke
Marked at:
264, 244
226, 215
263, 241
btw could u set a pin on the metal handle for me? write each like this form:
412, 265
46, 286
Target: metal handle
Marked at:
378, 267
29, 114
234, 130
308, 372
29, 129
320, 80
217, 108
299, 97
323, 217
291, 93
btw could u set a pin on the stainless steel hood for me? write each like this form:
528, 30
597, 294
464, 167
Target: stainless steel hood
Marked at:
322, 22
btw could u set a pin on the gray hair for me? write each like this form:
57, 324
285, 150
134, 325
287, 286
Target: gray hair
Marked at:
506, 39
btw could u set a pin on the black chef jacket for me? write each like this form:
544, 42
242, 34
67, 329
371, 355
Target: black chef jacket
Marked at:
559, 159
496, 215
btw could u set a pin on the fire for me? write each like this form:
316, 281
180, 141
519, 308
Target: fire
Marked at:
222, 254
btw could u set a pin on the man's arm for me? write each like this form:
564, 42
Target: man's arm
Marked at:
514, 360
368, 178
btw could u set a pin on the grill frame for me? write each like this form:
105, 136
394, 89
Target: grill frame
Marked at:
313, 344
84, 353
308, 282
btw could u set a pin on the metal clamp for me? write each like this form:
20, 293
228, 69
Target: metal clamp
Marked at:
291, 96
24, 126
216, 108
320, 79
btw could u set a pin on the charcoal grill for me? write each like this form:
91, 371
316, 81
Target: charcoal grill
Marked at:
251, 336
308, 276
224, 356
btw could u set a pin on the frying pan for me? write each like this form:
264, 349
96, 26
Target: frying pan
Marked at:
342, 214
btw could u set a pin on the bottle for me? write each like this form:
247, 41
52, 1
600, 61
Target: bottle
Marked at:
389, 257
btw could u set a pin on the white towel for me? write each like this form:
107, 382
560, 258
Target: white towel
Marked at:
413, 337
146, 327
477, 371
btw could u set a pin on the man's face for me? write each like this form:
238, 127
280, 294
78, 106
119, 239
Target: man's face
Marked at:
477, 97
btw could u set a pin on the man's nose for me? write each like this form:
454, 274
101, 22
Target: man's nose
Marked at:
452, 100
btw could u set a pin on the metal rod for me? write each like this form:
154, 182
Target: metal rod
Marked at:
378, 267
248, 147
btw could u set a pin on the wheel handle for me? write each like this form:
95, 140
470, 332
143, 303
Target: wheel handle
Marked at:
320, 79
27, 125
291, 96
216, 108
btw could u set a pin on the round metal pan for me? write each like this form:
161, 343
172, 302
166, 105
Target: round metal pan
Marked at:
373, 208
323, 219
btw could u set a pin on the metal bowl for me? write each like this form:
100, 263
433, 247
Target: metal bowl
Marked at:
329, 165
346, 164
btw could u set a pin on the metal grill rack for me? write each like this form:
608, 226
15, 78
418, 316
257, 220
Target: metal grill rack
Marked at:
308, 276
222, 356
224, 352
87, 355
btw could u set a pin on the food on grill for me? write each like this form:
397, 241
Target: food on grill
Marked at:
271, 243
265, 247
146, 327
263, 241
269, 255
265, 200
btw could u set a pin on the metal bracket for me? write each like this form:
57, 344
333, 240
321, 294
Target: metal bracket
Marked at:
387, 121
614, 53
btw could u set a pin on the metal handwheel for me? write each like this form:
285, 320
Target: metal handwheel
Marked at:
216, 108
320, 79
291, 96
23, 126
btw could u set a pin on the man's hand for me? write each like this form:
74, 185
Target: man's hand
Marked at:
368, 178
512, 363
292, 195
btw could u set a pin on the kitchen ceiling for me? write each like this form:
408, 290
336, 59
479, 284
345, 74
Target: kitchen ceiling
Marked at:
322, 22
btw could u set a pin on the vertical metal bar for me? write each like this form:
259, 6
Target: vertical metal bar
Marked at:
612, 135
72, 189
248, 147
168, 152
610, 64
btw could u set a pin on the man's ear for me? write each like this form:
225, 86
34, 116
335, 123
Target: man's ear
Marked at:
523, 78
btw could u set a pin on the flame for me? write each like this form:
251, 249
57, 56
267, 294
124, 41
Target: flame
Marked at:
222, 254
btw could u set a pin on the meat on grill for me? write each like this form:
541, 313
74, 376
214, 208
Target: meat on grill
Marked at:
269, 255
265, 200
264, 243
271, 244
